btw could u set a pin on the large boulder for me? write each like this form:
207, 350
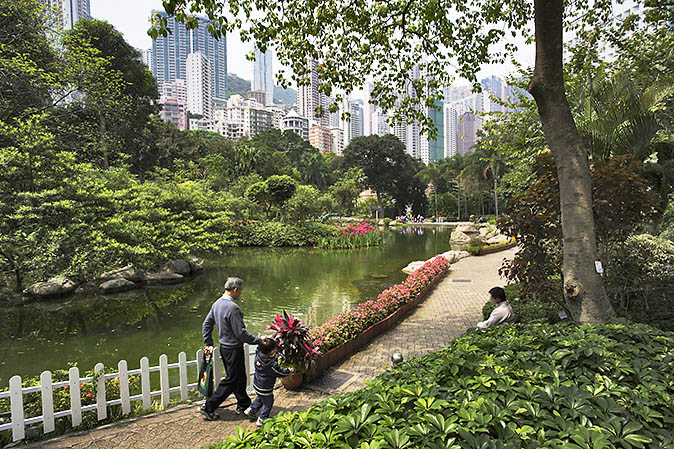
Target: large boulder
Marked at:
57, 286
467, 229
500, 238
413, 266
163, 278
455, 256
117, 285
459, 236
129, 272
196, 264
392, 223
179, 266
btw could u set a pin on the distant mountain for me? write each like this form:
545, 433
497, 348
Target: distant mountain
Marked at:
236, 85
285, 96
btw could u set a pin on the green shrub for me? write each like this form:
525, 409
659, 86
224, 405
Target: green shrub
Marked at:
640, 279
475, 244
274, 233
519, 386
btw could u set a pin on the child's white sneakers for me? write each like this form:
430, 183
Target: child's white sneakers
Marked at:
259, 422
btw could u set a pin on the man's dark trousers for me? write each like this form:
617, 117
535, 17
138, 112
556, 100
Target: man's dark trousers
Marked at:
234, 382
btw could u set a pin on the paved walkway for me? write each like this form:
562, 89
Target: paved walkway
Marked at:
453, 305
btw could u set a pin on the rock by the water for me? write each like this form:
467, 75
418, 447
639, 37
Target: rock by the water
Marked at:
467, 229
381, 223
180, 266
459, 236
413, 266
57, 286
455, 256
87, 288
117, 285
392, 223
196, 264
500, 238
163, 278
129, 272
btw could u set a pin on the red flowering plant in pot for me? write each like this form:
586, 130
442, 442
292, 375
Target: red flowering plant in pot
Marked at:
296, 347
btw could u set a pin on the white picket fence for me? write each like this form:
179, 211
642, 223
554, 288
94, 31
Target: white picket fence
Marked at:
16, 390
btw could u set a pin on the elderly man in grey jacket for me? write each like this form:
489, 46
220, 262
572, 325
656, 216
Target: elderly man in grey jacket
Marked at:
227, 315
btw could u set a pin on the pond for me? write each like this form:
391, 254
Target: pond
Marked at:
310, 283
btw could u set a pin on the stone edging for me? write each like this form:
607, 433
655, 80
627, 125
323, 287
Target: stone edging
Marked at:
484, 252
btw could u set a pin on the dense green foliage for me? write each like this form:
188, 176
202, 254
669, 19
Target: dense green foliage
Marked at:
513, 386
640, 279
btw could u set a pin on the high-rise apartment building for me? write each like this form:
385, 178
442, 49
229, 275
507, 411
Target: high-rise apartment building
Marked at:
263, 76
354, 126
450, 118
169, 54
495, 88
258, 95
199, 85
69, 11
173, 101
319, 137
309, 98
337, 141
468, 124
436, 150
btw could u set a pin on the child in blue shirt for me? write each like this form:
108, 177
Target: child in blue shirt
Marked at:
267, 370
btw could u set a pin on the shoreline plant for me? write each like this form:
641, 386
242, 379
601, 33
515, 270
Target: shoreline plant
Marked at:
361, 235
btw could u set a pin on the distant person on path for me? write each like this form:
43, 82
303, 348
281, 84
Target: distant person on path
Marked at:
267, 370
232, 335
501, 312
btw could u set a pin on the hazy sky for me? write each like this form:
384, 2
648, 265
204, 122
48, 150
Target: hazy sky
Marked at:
131, 17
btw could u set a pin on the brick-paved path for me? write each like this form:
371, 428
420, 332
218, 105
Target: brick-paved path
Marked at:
452, 306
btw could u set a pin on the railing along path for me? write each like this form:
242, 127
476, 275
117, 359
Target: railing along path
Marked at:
17, 391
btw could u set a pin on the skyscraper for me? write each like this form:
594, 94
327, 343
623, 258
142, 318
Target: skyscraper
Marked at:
169, 54
199, 85
437, 145
309, 98
450, 117
354, 127
263, 78
70, 11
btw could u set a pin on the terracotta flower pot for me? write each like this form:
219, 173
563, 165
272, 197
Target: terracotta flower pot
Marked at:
292, 382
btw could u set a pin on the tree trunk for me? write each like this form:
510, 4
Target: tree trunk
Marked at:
101, 117
380, 205
495, 197
583, 287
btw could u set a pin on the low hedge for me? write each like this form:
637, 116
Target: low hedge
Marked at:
275, 233
517, 386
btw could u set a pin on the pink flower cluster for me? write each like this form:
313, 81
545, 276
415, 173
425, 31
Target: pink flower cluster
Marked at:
349, 324
362, 228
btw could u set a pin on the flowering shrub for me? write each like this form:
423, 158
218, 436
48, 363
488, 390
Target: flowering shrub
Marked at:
349, 324
354, 236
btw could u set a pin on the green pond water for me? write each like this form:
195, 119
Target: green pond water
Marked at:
312, 284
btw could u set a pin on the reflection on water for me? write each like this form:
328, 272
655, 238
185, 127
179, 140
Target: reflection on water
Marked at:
313, 284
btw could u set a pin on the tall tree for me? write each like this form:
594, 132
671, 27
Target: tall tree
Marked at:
115, 84
354, 39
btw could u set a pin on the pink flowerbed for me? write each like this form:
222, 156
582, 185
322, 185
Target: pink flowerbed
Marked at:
362, 228
349, 324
